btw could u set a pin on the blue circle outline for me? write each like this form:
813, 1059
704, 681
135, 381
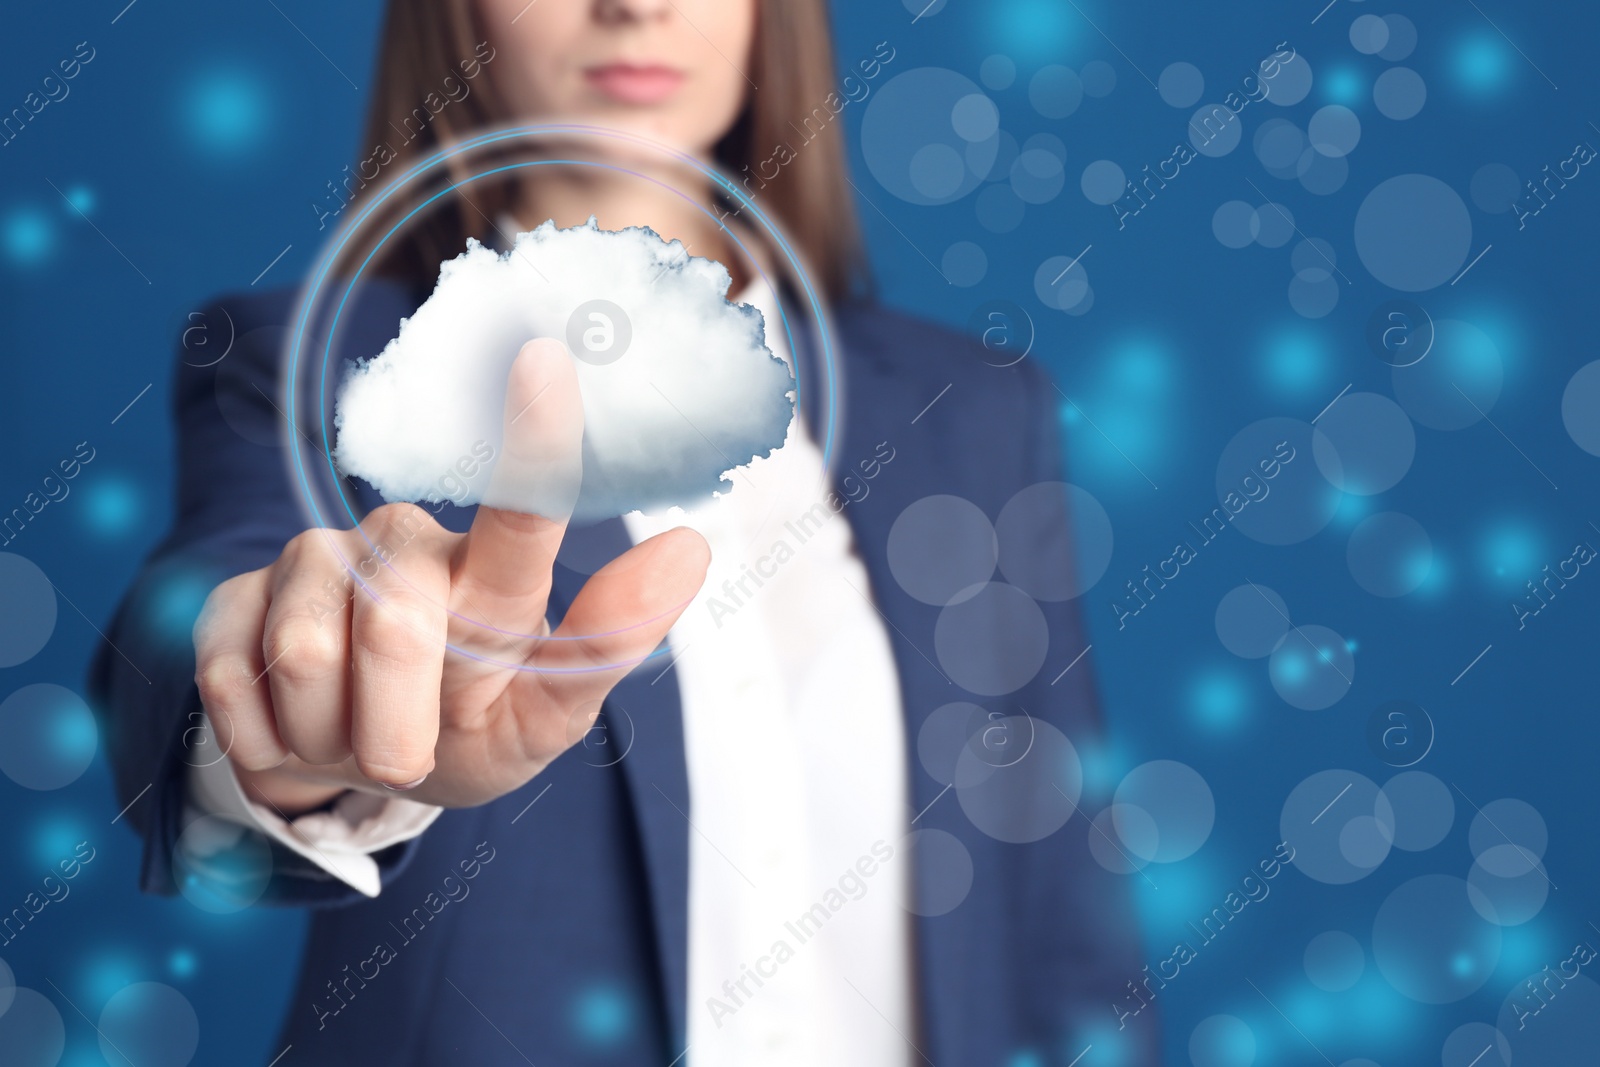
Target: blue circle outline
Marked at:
309, 299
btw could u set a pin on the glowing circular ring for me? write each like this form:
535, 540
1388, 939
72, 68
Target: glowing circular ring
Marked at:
309, 299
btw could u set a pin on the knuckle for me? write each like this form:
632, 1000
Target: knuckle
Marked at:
399, 627
306, 546
403, 519
302, 651
252, 755
223, 681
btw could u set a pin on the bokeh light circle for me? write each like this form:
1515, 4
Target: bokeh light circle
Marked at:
1364, 444
1314, 252
1103, 182
1312, 669
1459, 381
1334, 130
1037, 177
1251, 621
1368, 34
1422, 809
1222, 1041
1313, 292
1279, 144
992, 640
1061, 283
1495, 187
1399, 93
1413, 233
1290, 506
1181, 84
997, 72
1508, 822
1562, 1029
48, 736
1214, 130
31, 1032
1274, 225
1580, 408
1314, 818
27, 609
219, 866
1176, 798
1123, 837
1031, 521
1028, 798
1509, 900
1320, 173
1475, 1045
964, 264
1402, 38
1431, 944
1292, 83
910, 141
1055, 91
1334, 961
945, 733
1099, 78
1389, 554
975, 118
149, 1024
1235, 224
944, 871
941, 545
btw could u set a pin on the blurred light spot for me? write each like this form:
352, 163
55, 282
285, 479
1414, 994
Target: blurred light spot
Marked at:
81, 198
107, 974
111, 505
29, 236
225, 112
1482, 64
1342, 85
1219, 699
182, 963
604, 1015
1030, 29
55, 839
1296, 362
176, 603
1511, 552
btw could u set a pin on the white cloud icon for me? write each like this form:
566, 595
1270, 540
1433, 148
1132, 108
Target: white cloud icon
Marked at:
678, 386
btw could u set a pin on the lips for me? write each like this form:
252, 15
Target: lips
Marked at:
629, 83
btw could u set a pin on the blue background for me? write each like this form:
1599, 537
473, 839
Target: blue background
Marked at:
189, 151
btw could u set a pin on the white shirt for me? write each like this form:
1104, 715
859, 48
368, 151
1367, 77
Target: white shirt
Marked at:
799, 940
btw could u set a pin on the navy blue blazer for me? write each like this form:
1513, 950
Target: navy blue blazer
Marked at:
570, 945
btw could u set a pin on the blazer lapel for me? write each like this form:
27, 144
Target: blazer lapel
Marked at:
655, 773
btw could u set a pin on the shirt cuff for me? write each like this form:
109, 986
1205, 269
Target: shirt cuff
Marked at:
339, 840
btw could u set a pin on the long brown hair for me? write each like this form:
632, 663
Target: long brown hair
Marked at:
428, 45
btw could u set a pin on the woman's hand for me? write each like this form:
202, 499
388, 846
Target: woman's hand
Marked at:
315, 687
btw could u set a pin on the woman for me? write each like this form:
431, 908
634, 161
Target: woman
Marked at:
764, 871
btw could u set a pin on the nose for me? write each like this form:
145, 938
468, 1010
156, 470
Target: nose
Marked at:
612, 11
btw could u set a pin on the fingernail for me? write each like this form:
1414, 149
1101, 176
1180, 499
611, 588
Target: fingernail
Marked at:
407, 787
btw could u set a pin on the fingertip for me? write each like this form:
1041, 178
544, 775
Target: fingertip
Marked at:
405, 776
693, 545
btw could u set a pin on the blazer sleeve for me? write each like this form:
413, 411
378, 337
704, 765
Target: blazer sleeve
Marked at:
1089, 963
236, 506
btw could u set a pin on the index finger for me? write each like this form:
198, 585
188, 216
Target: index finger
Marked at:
506, 557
